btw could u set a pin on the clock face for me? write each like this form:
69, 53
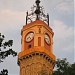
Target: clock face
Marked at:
47, 39
29, 36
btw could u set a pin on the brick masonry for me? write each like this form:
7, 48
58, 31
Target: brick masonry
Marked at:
36, 65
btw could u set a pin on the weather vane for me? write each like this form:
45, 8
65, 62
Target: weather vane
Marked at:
37, 14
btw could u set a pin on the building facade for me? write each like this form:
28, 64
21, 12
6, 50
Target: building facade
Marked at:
36, 56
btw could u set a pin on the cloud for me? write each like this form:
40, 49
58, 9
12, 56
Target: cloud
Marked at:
11, 65
16, 5
65, 7
63, 40
63, 10
10, 20
63, 31
9, 15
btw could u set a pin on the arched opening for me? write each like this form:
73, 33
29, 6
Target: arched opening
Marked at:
29, 46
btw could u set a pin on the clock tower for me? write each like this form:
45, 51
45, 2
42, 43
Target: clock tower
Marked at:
36, 56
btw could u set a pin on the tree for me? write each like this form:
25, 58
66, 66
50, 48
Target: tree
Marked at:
5, 51
72, 69
64, 68
4, 72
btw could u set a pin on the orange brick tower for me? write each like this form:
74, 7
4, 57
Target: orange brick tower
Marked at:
36, 56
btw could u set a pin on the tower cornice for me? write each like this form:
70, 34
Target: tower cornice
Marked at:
37, 49
37, 23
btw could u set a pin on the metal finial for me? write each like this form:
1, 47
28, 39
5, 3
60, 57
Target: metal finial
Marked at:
37, 14
37, 2
37, 11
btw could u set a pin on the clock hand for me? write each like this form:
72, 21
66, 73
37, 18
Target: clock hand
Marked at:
46, 38
28, 38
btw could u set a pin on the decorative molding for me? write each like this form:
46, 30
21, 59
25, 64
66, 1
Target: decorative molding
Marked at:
45, 56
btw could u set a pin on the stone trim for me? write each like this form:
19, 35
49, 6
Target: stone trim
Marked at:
45, 56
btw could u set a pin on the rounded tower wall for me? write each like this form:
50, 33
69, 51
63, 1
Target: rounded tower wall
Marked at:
36, 64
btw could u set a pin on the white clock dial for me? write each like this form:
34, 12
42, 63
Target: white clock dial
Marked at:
47, 39
29, 37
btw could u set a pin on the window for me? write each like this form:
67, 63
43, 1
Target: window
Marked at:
39, 41
29, 46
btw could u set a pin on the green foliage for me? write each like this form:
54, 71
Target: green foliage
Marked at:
64, 68
72, 69
4, 72
5, 51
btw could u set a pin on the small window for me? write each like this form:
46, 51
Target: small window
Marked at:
29, 46
39, 41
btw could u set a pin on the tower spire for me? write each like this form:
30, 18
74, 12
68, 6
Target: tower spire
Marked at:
37, 14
